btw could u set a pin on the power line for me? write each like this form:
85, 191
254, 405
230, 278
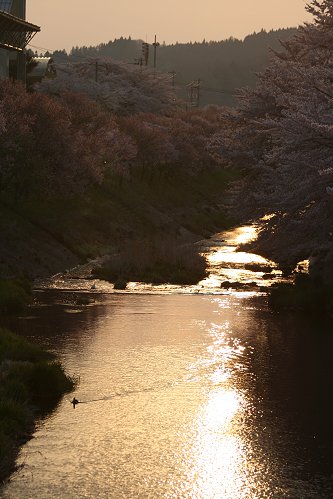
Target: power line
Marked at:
208, 89
40, 48
219, 91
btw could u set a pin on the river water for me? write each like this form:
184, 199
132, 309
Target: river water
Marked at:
191, 392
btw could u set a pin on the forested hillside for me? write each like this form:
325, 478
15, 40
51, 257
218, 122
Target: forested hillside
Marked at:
222, 66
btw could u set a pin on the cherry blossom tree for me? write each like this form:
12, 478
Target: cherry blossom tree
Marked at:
119, 87
283, 131
152, 139
172, 144
51, 147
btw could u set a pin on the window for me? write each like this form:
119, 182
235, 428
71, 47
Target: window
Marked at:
6, 5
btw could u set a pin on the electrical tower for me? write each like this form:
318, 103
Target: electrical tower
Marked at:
193, 94
173, 75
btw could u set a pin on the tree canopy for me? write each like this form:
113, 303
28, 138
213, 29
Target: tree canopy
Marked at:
284, 129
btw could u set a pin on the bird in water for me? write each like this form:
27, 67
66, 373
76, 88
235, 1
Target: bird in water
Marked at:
74, 402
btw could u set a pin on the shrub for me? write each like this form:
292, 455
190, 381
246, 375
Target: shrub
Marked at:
14, 296
120, 283
5, 450
13, 416
306, 294
14, 347
47, 382
16, 391
156, 262
28, 383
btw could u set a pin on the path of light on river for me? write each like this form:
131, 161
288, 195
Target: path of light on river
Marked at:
166, 383
220, 462
225, 263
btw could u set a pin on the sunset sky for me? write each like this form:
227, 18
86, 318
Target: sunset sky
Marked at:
66, 23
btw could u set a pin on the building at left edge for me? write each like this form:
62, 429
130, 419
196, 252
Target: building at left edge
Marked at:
15, 34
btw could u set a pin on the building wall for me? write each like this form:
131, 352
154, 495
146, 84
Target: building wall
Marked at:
4, 64
19, 8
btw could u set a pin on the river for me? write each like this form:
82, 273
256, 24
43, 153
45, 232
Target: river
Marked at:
185, 392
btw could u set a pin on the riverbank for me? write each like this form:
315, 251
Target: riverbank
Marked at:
42, 238
31, 380
32, 383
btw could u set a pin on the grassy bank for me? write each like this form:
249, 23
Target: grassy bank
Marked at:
31, 382
180, 206
15, 294
60, 233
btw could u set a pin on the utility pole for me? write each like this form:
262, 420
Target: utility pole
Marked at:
188, 96
145, 52
155, 45
198, 92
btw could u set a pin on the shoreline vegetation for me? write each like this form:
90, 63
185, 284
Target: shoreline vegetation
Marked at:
309, 295
15, 294
31, 380
155, 261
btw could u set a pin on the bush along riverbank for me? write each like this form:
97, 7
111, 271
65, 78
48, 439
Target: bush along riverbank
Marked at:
309, 295
31, 380
31, 383
154, 261
15, 294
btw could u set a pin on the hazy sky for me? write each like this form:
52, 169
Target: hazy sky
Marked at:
66, 23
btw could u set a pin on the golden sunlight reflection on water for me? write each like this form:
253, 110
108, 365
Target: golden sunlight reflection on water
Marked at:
226, 262
177, 402
219, 452
174, 385
218, 460
242, 235
226, 251
240, 257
